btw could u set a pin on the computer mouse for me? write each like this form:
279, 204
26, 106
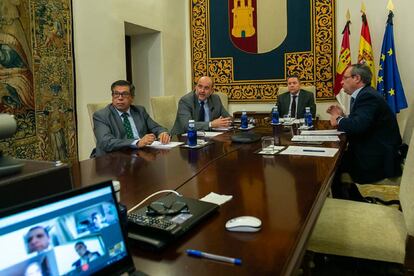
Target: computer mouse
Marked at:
244, 224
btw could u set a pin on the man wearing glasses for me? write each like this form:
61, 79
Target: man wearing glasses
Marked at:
372, 131
202, 106
122, 124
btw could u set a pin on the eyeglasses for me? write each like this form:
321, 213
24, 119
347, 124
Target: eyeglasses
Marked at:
119, 94
159, 208
346, 77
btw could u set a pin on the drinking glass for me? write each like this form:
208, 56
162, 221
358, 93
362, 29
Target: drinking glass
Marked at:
268, 143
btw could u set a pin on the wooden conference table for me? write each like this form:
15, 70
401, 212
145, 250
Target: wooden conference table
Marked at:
286, 192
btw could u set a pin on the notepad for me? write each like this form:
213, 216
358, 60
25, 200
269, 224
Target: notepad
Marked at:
310, 151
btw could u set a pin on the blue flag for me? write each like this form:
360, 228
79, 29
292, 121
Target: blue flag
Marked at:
389, 81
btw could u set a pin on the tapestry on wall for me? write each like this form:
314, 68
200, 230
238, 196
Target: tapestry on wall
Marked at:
36, 78
249, 47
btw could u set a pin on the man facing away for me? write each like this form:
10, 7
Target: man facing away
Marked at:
122, 124
202, 106
294, 103
372, 131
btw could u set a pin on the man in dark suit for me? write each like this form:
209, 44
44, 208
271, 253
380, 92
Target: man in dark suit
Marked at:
121, 124
203, 107
371, 128
85, 256
295, 102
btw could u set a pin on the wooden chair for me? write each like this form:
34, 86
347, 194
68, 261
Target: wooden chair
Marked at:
164, 110
368, 231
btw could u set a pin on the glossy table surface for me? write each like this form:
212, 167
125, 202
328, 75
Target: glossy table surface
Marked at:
285, 192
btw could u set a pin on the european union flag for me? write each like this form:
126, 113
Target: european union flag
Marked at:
389, 81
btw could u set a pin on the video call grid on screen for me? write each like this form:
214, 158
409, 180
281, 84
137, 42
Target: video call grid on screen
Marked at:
77, 235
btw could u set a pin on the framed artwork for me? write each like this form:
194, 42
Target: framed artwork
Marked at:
249, 47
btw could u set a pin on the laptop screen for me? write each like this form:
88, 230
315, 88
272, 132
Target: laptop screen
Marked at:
75, 233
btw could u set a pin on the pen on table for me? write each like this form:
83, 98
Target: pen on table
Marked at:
200, 254
313, 150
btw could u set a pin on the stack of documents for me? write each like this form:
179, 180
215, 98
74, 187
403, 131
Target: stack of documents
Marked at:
322, 132
208, 134
314, 138
159, 145
310, 151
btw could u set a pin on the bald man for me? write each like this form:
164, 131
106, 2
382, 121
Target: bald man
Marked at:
202, 106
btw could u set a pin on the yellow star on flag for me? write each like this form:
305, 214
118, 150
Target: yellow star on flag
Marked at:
380, 67
380, 79
382, 57
390, 52
391, 92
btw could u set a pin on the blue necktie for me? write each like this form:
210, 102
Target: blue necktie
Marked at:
127, 125
201, 114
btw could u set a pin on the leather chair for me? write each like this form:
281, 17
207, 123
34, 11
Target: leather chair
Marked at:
92, 107
164, 110
224, 99
368, 231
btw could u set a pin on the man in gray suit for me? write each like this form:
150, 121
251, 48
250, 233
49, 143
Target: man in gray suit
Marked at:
203, 107
122, 125
295, 102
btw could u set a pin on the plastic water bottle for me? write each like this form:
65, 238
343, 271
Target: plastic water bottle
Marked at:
308, 117
191, 134
275, 115
244, 120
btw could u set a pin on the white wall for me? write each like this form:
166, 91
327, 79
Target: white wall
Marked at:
98, 27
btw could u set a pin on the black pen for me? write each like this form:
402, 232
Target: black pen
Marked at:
313, 150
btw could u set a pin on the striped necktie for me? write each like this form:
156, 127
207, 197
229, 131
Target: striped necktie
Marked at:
127, 126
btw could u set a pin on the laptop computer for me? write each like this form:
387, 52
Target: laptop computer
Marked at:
194, 212
73, 233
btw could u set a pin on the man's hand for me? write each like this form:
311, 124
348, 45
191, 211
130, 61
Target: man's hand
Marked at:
146, 140
335, 110
221, 122
334, 120
164, 137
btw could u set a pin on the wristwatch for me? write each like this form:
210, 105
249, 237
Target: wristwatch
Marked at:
209, 124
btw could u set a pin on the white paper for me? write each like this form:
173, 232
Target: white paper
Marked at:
310, 151
205, 134
312, 138
321, 132
216, 198
271, 150
159, 145
222, 128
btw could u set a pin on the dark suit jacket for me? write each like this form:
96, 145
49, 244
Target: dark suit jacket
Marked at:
109, 129
189, 108
305, 99
374, 139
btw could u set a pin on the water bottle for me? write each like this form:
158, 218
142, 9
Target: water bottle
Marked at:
244, 120
191, 134
308, 117
275, 115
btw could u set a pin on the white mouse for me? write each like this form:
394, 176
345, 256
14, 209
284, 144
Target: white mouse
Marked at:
244, 224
